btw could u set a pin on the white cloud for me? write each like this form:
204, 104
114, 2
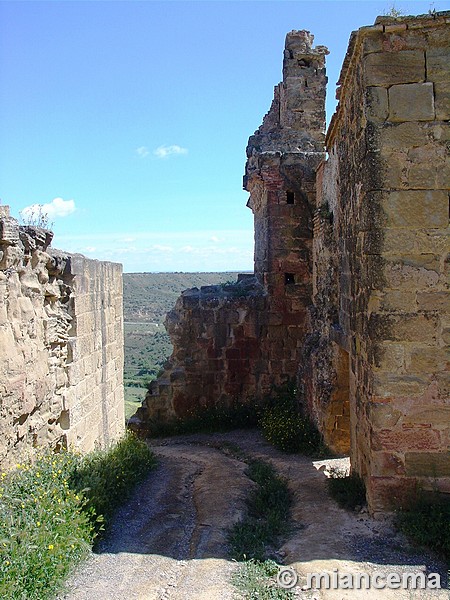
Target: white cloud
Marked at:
56, 208
161, 248
165, 151
142, 151
188, 251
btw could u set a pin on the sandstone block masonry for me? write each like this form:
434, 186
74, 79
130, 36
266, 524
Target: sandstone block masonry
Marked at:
350, 291
376, 362
61, 346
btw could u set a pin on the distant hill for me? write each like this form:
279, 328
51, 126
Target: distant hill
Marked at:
147, 297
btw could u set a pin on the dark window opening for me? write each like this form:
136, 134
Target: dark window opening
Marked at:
289, 278
304, 63
290, 198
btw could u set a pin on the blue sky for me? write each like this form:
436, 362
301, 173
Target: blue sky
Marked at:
129, 120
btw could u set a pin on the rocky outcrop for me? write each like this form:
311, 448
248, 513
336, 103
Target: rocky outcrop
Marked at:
61, 346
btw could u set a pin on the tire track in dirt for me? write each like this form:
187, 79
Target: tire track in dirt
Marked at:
169, 541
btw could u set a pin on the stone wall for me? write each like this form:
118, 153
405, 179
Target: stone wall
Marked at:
216, 359
61, 341
381, 299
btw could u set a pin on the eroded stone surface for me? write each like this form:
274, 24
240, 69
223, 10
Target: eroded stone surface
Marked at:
381, 280
61, 346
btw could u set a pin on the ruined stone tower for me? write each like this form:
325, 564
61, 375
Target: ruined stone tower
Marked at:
283, 156
236, 342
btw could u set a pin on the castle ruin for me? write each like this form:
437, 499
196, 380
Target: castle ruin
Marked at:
61, 346
350, 289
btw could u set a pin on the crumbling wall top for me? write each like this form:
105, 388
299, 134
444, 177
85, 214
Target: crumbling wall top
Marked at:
295, 123
299, 53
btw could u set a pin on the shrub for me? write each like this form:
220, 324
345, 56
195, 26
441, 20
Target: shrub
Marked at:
107, 477
209, 419
348, 490
286, 429
45, 528
51, 512
284, 425
427, 523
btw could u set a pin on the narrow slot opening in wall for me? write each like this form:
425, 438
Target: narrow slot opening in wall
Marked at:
290, 198
289, 278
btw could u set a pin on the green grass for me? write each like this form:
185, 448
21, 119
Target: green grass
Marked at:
133, 399
252, 539
257, 580
268, 515
426, 522
51, 512
44, 528
347, 490
107, 477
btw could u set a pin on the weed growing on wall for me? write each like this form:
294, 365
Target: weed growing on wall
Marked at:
35, 216
52, 510
285, 426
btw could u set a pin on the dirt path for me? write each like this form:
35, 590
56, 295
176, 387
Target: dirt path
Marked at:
169, 541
